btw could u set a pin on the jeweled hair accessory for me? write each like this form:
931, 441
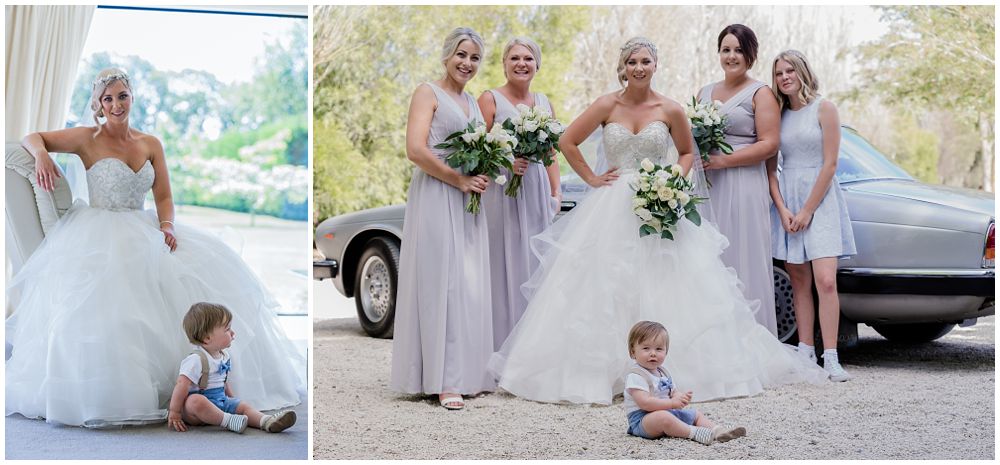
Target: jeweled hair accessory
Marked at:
122, 76
636, 43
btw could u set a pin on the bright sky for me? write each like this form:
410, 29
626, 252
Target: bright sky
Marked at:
224, 45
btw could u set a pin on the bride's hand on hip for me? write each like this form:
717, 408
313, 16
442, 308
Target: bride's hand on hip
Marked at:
476, 183
46, 172
605, 179
168, 236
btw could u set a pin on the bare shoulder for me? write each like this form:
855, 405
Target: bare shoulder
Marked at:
827, 107
150, 143
670, 106
607, 102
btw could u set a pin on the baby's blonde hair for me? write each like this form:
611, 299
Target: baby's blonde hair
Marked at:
202, 318
645, 331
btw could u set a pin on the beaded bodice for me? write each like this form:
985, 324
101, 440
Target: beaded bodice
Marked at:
114, 186
625, 150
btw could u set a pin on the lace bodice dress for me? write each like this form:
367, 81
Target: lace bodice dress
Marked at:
597, 278
96, 330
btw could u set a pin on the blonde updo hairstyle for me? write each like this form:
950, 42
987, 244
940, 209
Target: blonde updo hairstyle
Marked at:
104, 79
532, 46
628, 49
456, 37
809, 89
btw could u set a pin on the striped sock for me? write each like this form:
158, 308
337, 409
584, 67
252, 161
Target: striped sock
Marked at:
225, 419
701, 434
236, 423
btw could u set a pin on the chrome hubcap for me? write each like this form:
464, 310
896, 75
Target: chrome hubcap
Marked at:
783, 307
375, 287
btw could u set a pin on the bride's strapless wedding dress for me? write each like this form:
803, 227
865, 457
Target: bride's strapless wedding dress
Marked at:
96, 331
597, 278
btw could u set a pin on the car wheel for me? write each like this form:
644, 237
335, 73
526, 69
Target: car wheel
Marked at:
914, 333
783, 307
375, 286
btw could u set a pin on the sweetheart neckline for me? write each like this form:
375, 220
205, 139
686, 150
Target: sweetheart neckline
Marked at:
147, 162
647, 126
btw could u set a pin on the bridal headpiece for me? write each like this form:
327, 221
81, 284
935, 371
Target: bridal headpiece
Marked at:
117, 76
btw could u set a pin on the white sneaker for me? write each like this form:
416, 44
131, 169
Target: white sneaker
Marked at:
837, 372
808, 354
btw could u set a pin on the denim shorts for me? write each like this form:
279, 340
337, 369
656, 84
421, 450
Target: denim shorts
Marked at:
635, 421
219, 398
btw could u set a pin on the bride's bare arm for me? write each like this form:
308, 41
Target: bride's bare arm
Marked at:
161, 192
38, 144
578, 131
680, 132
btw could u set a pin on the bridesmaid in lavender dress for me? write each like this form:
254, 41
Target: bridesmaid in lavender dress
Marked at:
513, 220
739, 192
443, 329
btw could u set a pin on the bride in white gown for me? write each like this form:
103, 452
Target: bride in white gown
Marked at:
96, 331
597, 277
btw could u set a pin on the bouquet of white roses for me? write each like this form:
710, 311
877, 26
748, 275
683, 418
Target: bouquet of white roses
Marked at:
662, 198
479, 152
538, 134
708, 127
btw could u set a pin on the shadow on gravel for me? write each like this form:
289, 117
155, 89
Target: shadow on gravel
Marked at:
339, 327
940, 355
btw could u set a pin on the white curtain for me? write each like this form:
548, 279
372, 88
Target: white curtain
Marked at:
44, 44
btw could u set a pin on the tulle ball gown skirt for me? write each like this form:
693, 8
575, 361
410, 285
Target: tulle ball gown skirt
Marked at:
597, 278
96, 331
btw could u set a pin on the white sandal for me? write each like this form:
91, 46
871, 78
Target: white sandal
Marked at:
452, 399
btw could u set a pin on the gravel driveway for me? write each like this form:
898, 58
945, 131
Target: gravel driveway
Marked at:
930, 401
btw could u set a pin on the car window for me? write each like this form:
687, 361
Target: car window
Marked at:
860, 161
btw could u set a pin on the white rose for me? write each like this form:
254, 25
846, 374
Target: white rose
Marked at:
666, 193
469, 137
501, 180
676, 170
540, 110
646, 165
683, 197
490, 137
689, 112
522, 108
644, 185
556, 128
672, 203
542, 136
644, 214
659, 182
530, 126
701, 114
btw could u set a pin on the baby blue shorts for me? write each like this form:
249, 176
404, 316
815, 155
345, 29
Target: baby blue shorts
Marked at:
635, 421
219, 398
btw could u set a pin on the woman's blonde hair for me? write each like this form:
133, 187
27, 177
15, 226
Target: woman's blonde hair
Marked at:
645, 331
202, 318
809, 88
104, 79
628, 49
455, 39
536, 51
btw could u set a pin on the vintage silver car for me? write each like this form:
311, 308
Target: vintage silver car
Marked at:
925, 257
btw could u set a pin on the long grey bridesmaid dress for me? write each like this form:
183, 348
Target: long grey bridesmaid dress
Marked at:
512, 222
443, 333
741, 202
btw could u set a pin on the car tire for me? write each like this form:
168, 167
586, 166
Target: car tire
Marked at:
784, 309
914, 333
375, 284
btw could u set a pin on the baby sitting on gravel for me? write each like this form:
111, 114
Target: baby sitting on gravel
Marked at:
653, 407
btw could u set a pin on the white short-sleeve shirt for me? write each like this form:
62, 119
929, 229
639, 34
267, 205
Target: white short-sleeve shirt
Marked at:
634, 381
191, 368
